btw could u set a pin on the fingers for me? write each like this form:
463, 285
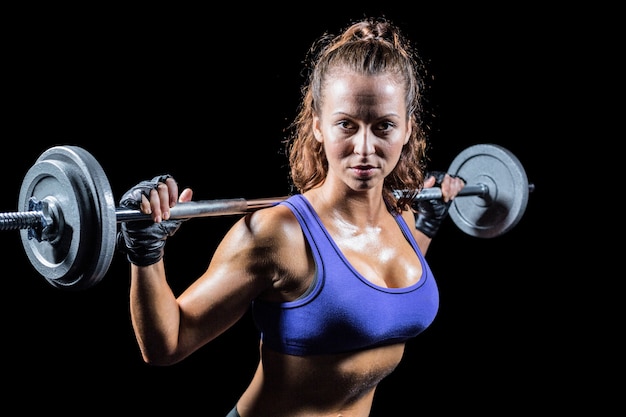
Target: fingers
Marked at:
430, 182
186, 195
172, 193
161, 199
450, 187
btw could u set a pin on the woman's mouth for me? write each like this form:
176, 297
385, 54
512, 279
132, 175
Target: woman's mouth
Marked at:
363, 171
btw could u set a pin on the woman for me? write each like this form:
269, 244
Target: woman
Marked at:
335, 276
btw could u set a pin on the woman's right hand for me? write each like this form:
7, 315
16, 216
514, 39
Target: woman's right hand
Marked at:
143, 241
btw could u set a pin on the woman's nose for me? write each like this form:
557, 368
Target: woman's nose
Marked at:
363, 144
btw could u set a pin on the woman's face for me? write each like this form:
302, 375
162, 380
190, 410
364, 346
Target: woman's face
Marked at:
363, 126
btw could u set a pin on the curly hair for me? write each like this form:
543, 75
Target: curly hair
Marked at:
371, 46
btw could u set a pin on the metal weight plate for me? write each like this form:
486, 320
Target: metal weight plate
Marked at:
72, 181
503, 174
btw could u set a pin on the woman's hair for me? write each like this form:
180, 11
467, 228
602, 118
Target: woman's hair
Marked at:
371, 46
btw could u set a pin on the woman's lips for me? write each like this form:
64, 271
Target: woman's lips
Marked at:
363, 171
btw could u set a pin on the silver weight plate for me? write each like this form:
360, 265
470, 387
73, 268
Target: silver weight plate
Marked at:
508, 189
78, 255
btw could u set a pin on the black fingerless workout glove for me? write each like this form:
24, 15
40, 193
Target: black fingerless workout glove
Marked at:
431, 213
143, 241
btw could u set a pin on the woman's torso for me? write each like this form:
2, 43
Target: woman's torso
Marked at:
326, 380
319, 385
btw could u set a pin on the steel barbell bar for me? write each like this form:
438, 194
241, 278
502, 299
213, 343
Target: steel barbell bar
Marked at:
43, 215
68, 219
224, 207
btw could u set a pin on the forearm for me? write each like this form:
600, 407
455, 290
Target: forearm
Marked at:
155, 314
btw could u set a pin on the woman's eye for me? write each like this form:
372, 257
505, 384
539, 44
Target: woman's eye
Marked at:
384, 127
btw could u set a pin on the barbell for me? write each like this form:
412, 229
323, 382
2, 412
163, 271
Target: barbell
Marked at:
68, 218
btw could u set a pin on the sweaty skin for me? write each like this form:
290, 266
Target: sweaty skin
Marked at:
363, 126
352, 312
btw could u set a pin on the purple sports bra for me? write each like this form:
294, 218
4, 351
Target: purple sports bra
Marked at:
343, 311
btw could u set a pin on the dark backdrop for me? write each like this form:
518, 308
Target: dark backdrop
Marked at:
205, 96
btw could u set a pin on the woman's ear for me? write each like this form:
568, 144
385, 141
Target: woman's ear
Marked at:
409, 129
317, 131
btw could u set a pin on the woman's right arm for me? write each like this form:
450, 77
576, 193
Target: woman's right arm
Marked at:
251, 260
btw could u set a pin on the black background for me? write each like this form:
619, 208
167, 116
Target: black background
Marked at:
205, 96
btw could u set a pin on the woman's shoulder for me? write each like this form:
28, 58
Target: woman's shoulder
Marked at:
275, 226
274, 241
